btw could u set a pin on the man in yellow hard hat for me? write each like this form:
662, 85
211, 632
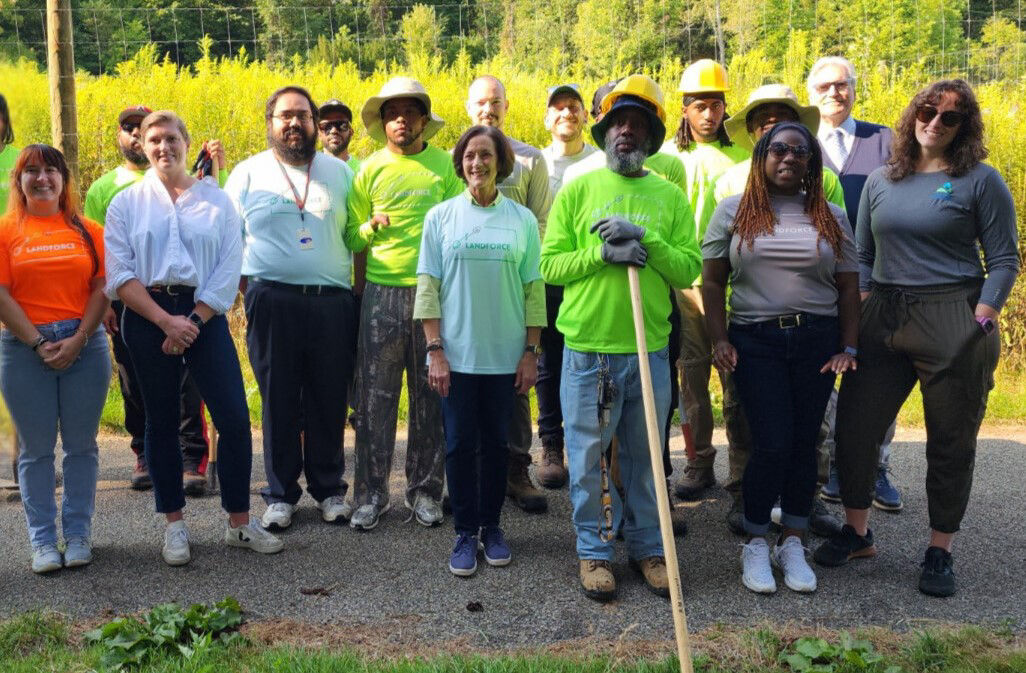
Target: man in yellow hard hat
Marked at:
705, 151
619, 215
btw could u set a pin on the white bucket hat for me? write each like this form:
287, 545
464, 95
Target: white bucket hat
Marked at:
398, 87
737, 125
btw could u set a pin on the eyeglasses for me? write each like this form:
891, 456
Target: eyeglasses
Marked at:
840, 87
129, 127
341, 124
287, 117
950, 118
781, 150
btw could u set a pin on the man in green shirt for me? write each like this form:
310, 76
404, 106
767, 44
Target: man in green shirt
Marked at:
600, 223
393, 191
335, 129
8, 153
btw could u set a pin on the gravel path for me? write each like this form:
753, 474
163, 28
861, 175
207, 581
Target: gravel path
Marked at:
395, 579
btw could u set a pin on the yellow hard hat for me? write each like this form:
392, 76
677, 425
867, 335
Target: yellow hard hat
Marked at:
640, 92
704, 76
641, 86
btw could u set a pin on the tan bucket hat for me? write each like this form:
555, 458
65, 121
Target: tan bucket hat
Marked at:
398, 87
737, 126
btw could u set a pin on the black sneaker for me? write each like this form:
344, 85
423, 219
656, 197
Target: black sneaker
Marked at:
822, 521
938, 577
844, 546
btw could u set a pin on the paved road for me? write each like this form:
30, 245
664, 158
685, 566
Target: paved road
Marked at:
395, 580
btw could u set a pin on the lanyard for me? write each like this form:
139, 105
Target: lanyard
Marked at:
306, 191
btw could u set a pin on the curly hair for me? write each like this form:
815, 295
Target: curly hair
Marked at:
755, 215
966, 149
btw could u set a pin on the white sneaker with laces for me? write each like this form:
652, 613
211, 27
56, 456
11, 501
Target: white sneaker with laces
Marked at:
278, 516
425, 510
757, 574
252, 536
176, 550
790, 558
335, 508
46, 558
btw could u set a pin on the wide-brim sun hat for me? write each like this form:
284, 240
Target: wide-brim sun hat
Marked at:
639, 92
737, 125
398, 87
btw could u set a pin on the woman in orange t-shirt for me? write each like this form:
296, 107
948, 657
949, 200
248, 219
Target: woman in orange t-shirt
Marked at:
54, 361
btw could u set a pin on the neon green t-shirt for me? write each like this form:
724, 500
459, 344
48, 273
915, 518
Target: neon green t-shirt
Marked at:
353, 163
107, 186
404, 187
595, 315
664, 165
8, 157
703, 163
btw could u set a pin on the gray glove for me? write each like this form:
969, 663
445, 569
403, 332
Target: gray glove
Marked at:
614, 229
625, 252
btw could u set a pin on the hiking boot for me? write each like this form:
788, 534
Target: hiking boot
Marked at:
694, 482
194, 483
551, 473
756, 573
493, 544
790, 558
520, 489
425, 510
335, 508
278, 516
367, 517
653, 571
938, 576
141, 475
597, 579
831, 491
176, 550
251, 536
463, 560
823, 522
736, 517
886, 497
845, 546
46, 559
680, 525
77, 552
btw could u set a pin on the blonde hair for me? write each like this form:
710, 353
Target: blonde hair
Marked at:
161, 118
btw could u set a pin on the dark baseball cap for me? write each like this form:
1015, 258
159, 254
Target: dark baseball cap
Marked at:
335, 105
596, 100
561, 89
133, 112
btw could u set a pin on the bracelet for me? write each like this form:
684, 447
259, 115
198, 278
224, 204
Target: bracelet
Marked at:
852, 351
79, 330
434, 346
40, 340
437, 341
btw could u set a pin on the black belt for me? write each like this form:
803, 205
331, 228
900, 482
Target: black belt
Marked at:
300, 289
171, 290
789, 321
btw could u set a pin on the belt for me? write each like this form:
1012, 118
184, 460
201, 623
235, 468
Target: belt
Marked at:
789, 321
300, 289
171, 290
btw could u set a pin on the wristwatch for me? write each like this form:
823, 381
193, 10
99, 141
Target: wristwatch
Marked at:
196, 320
852, 351
436, 346
533, 348
40, 340
986, 324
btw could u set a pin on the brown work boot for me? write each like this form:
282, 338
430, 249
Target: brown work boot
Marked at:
519, 487
551, 473
141, 475
597, 580
680, 526
694, 482
194, 483
653, 570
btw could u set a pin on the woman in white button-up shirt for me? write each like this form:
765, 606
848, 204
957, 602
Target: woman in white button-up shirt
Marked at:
174, 255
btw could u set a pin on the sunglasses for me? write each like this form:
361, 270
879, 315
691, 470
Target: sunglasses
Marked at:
781, 150
950, 118
129, 127
340, 124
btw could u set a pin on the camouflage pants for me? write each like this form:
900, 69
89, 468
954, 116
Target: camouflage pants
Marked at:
391, 341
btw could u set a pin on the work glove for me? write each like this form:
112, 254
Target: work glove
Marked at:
615, 229
624, 252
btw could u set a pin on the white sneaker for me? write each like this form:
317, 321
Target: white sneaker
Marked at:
425, 510
46, 558
757, 574
278, 516
335, 508
252, 536
176, 544
790, 558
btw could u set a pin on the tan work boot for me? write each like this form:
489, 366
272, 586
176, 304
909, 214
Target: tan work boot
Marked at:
680, 526
551, 473
597, 580
519, 487
695, 480
653, 570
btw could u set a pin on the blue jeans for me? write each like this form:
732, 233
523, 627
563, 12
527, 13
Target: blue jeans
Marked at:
41, 402
585, 443
784, 397
476, 415
214, 365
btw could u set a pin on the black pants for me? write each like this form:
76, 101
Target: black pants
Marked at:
550, 364
301, 350
192, 429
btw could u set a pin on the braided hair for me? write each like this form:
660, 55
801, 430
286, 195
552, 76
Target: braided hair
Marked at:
755, 216
685, 137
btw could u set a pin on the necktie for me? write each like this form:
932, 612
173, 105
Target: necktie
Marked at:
841, 151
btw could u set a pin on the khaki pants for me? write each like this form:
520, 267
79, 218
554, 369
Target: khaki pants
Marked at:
925, 335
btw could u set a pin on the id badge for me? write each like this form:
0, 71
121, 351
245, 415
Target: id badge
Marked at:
305, 238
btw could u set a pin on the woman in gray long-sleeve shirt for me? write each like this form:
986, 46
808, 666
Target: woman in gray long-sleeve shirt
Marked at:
929, 315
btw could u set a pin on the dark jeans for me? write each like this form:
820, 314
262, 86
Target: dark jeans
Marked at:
476, 414
784, 397
550, 364
301, 348
192, 429
214, 366
675, 350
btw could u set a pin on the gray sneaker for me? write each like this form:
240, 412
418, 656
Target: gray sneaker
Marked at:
46, 559
425, 510
77, 552
366, 517
335, 508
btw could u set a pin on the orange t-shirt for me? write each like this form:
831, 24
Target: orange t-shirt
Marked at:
46, 266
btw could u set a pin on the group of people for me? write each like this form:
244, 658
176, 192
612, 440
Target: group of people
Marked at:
785, 245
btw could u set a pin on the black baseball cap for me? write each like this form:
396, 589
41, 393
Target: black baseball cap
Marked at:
136, 111
596, 100
335, 105
561, 89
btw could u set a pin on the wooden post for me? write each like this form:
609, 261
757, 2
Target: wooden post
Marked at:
60, 65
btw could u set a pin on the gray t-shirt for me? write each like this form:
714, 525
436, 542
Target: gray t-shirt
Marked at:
928, 229
558, 164
786, 272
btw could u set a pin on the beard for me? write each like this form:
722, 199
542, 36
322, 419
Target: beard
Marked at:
134, 156
335, 147
410, 139
295, 154
624, 163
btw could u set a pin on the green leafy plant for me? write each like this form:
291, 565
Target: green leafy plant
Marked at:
848, 655
167, 630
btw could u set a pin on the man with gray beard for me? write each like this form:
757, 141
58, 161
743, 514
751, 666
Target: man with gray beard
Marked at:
601, 222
